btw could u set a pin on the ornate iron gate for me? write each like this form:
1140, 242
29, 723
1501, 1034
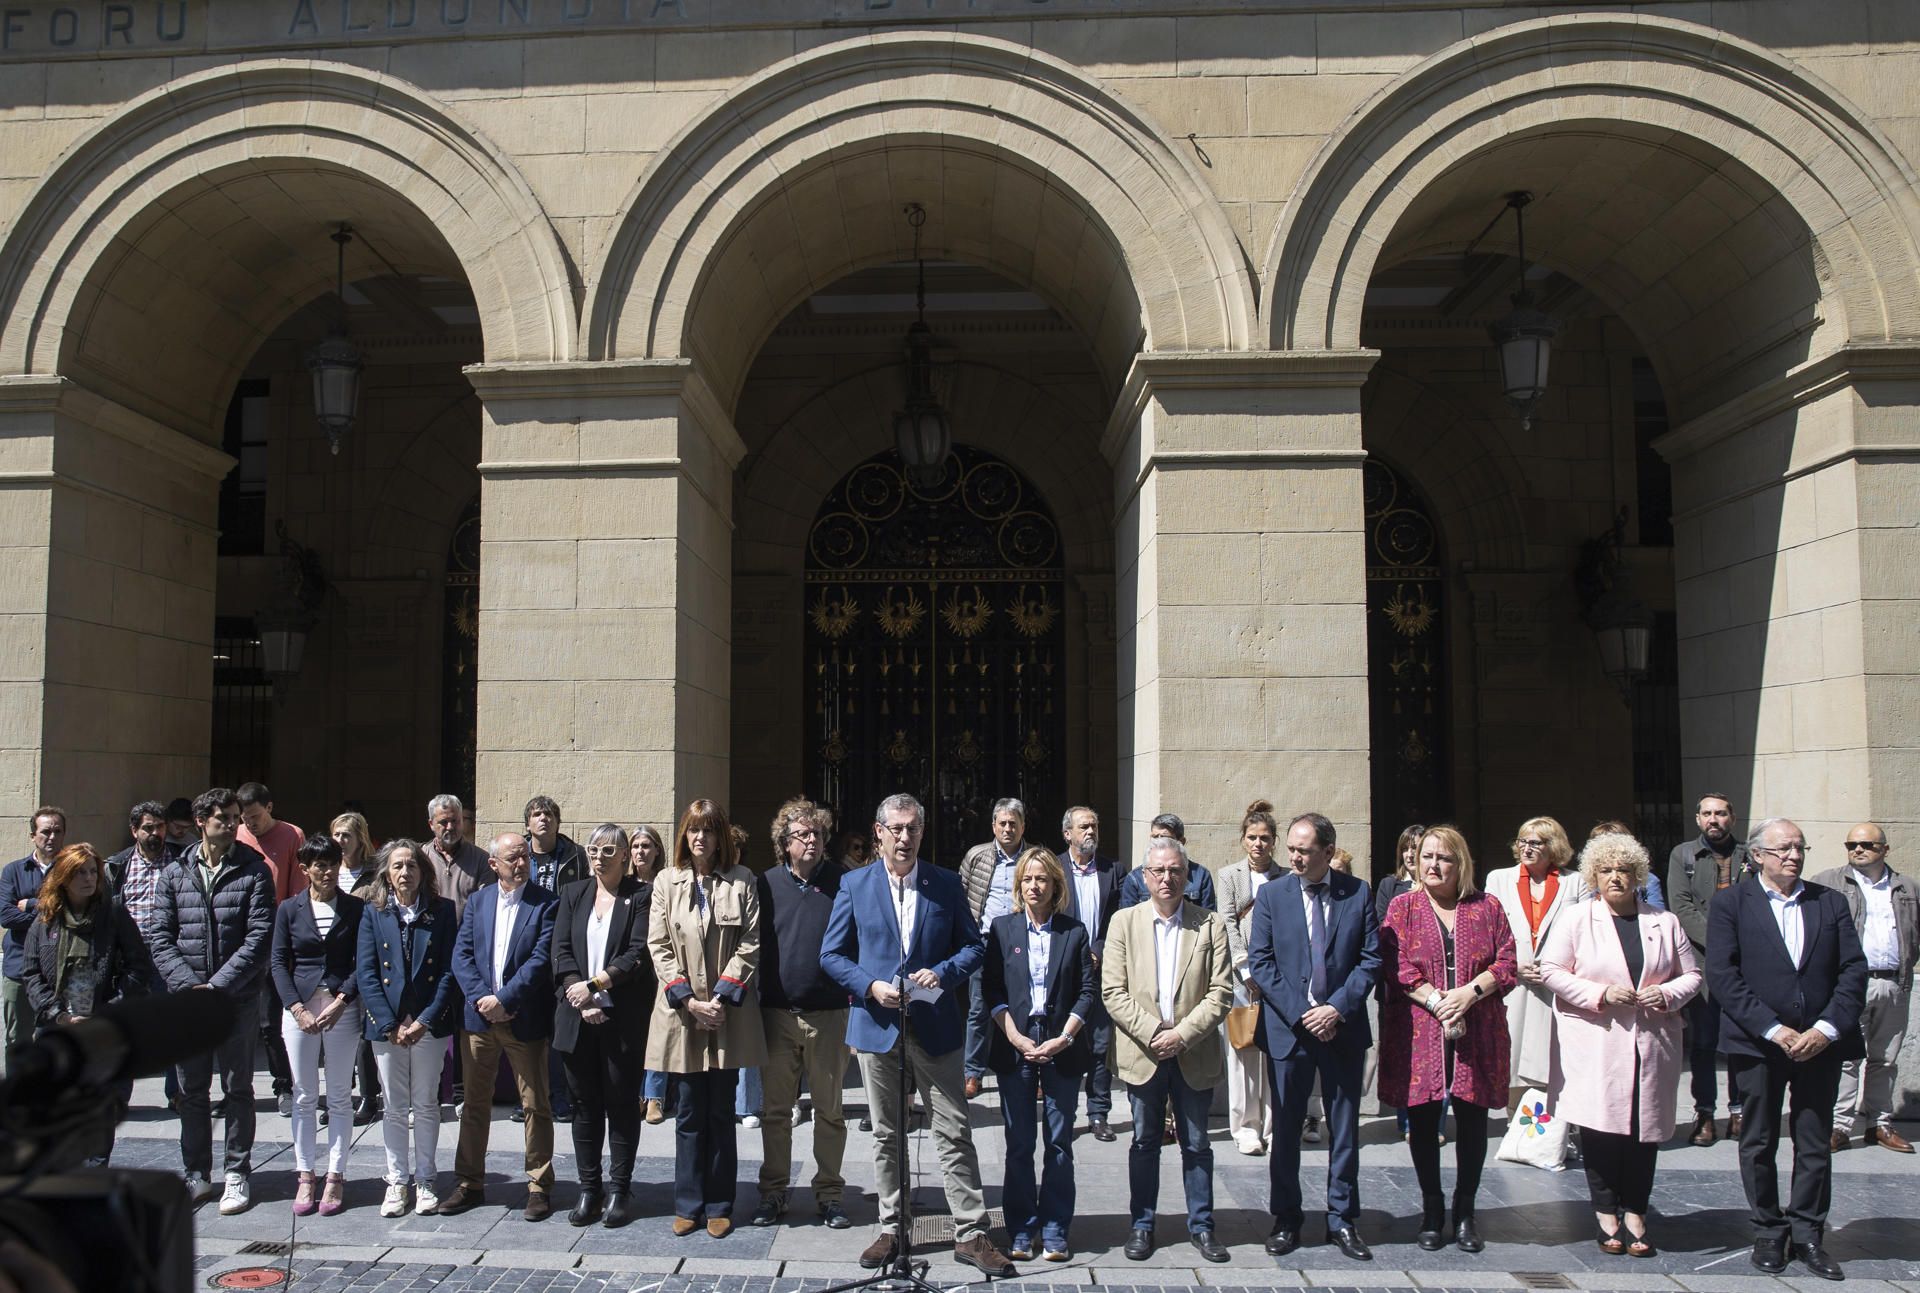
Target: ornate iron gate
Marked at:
934, 660
460, 658
1406, 661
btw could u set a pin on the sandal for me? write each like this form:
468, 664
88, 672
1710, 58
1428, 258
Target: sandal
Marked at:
303, 1200
1639, 1245
332, 1197
1612, 1244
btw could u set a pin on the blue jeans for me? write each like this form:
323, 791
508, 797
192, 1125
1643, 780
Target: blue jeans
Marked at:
1049, 1208
1150, 1100
746, 1095
654, 1085
978, 1038
706, 1164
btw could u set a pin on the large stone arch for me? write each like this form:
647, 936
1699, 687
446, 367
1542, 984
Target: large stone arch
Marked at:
1025, 166
174, 236
1840, 199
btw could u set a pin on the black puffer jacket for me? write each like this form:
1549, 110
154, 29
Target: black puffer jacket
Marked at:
219, 938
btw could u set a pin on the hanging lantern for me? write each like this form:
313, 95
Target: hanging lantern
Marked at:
335, 363
1524, 337
921, 432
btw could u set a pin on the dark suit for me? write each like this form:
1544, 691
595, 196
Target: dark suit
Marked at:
605, 1061
1007, 984
1278, 962
1112, 879
525, 989
863, 944
1757, 986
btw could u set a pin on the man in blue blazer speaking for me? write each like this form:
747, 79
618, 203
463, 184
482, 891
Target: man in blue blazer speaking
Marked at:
501, 962
1314, 954
902, 928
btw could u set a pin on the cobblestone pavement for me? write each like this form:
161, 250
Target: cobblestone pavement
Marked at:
1535, 1223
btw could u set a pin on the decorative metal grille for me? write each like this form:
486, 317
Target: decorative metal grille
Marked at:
934, 647
460, 658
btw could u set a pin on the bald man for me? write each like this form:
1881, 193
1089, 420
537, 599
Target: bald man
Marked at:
1886, 911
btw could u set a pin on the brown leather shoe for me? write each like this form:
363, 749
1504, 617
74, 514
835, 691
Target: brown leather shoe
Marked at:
879, 1253
538, 1208
1888, 1138
463, 1198
973, 1087
1837, 1141
684, 1226
719, 1227
1733, 1127
979, 1253
1704, 1133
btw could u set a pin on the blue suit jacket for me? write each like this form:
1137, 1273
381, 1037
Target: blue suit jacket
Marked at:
1756, 986
862, 944
1277, 961
527, 992
1199, 892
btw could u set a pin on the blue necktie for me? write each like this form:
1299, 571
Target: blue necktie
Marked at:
1317, 943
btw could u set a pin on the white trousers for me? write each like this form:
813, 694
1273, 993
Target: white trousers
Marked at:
1249, 1089
410, 1084
306, 1052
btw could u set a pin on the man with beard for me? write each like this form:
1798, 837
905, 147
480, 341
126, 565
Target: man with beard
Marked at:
1696, 870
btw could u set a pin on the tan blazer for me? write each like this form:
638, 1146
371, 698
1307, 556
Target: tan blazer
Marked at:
692, 954
1130, 990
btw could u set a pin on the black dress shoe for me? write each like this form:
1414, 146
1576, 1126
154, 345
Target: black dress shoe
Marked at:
1467, 1235
1139, 1245
1432, 1241
1102, 1132
1770, 1255
834, 1217
366, 1112
619, 1210
1814, 1258
1210, 1248
1348, 1240
586, 1209
1282, 1241
518, 1114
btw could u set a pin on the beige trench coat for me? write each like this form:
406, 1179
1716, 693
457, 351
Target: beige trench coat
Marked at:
720, 949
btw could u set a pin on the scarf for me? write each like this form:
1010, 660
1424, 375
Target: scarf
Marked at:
73, 956
1536, 914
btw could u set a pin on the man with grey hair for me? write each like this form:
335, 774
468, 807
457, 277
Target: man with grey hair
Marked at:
901, 936
1786, 967
1886, 912
1093, 895
986, 874
459, 865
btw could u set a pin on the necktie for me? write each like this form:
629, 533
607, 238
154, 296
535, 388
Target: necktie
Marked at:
1317, 943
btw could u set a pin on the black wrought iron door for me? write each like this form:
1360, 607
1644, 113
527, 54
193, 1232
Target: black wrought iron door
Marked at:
934, 660
1406, 661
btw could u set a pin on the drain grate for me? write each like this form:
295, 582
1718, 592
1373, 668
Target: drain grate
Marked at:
277, 1248
1541, 1279
932, 1230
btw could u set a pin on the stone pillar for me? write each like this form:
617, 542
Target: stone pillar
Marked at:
1242, 593
106, 607
1797, 584
605, 590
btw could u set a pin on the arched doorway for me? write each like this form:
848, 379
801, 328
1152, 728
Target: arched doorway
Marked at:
1406, 660
935, 646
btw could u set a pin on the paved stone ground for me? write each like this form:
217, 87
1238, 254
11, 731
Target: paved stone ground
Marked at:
1534, 1223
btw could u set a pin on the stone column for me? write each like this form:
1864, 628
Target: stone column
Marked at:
605, 590
1797, 584
1242, 592
106, 606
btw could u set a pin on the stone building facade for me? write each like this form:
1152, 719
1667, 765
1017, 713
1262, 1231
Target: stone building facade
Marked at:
1210, 287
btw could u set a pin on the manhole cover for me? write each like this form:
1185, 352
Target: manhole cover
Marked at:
250, 1277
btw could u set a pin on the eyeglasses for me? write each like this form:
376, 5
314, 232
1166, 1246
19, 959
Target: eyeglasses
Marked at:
602, 851
900, 831
1868, 845
802, 833
1162, 872
1533, 844
1786, 849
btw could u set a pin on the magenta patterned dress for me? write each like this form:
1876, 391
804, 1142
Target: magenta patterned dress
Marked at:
1413, 951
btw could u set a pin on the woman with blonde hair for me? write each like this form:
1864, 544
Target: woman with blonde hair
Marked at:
704, 937
1249, 1092
1620, 971
1534, 892
358, 875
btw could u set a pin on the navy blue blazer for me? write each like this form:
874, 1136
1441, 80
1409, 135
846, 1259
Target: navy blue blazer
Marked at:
1006, 982
527, 992
301, 962
862, 943
393, 988
1756, 986
1199, 892
1277, 961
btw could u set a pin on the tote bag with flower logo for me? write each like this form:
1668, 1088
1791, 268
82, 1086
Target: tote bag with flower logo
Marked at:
1536, 1136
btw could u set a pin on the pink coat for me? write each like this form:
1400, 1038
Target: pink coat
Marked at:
1412, 951
1598, 1043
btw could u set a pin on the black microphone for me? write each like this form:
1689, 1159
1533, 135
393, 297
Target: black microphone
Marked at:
138, 1037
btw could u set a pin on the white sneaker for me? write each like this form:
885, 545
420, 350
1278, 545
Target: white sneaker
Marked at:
200, 1189
1311, 1132
1247, 1141
751, 1121
424, 1200
395, 1204
238, 1196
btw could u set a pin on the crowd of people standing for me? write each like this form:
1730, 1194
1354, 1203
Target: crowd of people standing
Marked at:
626, 975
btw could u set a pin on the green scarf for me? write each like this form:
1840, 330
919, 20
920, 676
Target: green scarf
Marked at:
72, 953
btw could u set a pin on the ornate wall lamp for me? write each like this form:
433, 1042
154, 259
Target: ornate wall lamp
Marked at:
1621, 623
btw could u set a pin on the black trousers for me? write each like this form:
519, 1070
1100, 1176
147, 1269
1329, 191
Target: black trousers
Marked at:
603, 1073
1810, 1090
706, 1159
234, 1061
1619, 1170
1469, 1157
